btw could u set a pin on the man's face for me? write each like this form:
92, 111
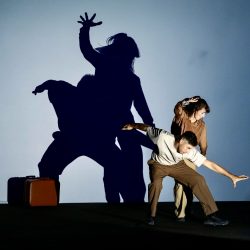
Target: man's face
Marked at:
184, 146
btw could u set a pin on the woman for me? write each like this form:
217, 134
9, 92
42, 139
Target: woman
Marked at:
189, 114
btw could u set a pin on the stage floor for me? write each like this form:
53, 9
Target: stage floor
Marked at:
117, 226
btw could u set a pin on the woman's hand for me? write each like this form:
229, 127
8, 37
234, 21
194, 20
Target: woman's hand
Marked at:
193, 99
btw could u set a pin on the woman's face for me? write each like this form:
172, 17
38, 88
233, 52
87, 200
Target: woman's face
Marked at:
199, 114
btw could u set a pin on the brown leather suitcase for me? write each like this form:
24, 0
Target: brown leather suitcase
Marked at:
41, 192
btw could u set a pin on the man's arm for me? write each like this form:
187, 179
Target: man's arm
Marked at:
220, 170
139, 126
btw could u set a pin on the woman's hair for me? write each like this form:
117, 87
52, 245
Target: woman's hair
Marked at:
192, 107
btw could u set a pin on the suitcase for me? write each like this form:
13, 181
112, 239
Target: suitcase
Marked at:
41, 192
16, 190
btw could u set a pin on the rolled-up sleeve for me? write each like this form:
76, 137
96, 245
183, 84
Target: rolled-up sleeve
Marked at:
153, 134
196, 157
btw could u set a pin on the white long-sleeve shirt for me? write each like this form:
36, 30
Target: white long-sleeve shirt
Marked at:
166, 153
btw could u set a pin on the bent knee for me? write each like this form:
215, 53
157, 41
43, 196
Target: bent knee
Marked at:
155, 185
199, 179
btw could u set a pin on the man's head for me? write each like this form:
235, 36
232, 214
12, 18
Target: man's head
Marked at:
186, 142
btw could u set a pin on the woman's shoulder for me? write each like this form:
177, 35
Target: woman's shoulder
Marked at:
201, 123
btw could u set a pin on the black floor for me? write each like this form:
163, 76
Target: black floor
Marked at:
85, 225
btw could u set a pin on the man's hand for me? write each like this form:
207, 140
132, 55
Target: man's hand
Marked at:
239, 178
128, 126
86, 22
139, 126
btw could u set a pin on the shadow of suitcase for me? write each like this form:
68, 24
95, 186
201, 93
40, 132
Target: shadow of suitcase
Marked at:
16, 190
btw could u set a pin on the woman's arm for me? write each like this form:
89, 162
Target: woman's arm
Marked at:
203, 141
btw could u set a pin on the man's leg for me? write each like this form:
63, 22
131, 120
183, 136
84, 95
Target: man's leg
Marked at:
156, 174
200, 189
187, 176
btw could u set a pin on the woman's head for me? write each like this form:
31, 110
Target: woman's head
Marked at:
197, 109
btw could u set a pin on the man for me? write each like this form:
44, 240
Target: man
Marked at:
167, 159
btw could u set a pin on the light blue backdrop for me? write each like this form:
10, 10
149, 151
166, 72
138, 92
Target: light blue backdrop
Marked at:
188, 47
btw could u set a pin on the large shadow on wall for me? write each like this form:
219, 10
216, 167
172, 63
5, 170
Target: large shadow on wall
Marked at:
91, 115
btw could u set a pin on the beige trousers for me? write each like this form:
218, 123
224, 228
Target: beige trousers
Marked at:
184, 174
183, 196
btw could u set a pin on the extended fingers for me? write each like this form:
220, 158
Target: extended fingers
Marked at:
244, 177
92, 19
241, 178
